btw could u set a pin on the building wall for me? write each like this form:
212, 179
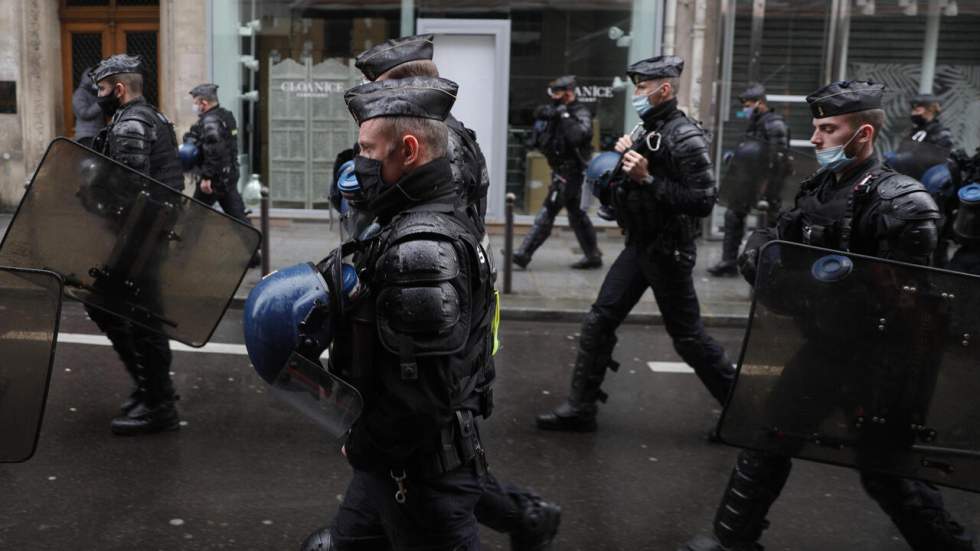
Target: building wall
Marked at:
185, 57
11, 131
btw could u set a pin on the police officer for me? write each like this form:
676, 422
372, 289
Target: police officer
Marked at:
143, 139
768, 128
668, 187
411, 56
966, 230
421, 332
926, 127
563, 133
853, 203
531, 521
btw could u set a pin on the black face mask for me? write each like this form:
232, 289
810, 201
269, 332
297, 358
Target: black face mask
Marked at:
368, 173
108, 103
919, 120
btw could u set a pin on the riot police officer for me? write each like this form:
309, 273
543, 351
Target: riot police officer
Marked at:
666, 188
926, 127
853, 203
421, 331
768, 130
563, 133
531, 521
143, 139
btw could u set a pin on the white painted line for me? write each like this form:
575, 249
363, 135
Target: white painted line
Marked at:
669, 367
210, 348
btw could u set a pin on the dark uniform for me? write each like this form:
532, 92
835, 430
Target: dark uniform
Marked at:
934, 133
869, 210
661, 219
216, 134
563, 133
531, 522
769, 128
143, 139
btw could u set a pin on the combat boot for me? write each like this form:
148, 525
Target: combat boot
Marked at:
588, 263
724, 268
319, 540
521, 259
705, 543
155, 410
578, 413
539, 526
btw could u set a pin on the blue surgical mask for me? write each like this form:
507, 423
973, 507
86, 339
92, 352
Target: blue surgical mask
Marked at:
834, 158
641, 104
745, 113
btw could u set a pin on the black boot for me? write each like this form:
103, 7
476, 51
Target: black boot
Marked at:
588, 263
156, 410
707, 543
578, 413
734, 230
319, 540
539, 526
521, 259
586, 236
540, 231
256, 259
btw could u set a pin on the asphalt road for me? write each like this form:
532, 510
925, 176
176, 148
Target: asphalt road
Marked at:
247, 473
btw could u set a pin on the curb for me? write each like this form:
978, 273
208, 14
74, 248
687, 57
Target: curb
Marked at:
524, 313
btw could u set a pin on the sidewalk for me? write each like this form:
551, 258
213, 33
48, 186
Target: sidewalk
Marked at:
547, 290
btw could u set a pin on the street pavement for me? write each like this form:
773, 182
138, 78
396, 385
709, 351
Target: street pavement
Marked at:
247, 473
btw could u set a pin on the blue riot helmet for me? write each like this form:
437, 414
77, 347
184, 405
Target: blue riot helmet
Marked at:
287, 323
966, 225
598, 176
938, 179
189, 154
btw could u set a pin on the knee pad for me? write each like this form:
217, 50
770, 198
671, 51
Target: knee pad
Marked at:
596, 335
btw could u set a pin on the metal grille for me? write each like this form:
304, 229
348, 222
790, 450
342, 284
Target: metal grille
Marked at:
86, 51
144, 43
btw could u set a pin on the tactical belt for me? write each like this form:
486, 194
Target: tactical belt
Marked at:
459, 443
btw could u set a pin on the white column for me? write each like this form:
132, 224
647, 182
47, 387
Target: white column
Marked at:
646, 29
930, 48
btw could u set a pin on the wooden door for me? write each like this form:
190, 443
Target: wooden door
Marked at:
91, 31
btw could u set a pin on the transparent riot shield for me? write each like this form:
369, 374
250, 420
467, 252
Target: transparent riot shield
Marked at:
757, 170
861, 362
328, 400
914, 158
30, 307
129, 245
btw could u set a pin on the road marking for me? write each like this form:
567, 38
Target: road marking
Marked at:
210, 348
669, 367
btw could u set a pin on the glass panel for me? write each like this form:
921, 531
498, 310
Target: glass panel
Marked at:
30, 307
129, 245
144, 43
861, 362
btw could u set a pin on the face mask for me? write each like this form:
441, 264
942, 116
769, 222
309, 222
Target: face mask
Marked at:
196, 108
834, 158
368, 173
919, 120
642, 105
108, 103
745, 113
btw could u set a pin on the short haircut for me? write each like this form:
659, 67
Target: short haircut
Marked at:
414, 68
433, 134
210, 98
675, 84
874, 117
132, 81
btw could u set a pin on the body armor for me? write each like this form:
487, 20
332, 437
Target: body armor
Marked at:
666, 212
933, 133
563, 134
143, 139
469, 168
217, 136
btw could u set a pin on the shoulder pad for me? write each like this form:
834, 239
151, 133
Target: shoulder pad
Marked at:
133, 127
423, 305
212, 128
908, 199
687, 138
775, 122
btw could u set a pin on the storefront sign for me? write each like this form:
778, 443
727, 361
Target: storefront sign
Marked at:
593, 93
313, 88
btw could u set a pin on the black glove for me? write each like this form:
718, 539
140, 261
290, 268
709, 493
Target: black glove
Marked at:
545, 112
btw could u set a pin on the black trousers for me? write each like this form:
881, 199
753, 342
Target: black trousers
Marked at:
225, 194
145, 354
437, 515
565, 192
668, 275
501, 507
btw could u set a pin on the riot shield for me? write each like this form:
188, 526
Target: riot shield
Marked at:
757, 170
30, 308
328, 400
126, 244
914, 158
861, 362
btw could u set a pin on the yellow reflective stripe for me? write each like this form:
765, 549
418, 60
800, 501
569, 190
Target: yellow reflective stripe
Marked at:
496, 321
